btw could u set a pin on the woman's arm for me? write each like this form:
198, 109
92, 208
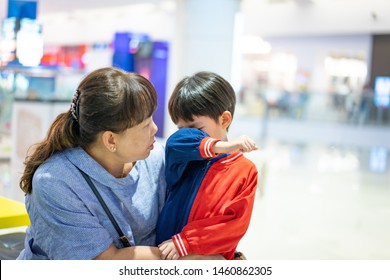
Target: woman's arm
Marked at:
202, 257
130, 253
145, 253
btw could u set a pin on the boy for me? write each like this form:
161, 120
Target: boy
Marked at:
210, 184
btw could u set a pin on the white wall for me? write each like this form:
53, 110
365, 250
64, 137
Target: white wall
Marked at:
320, 17
268, 17
3, 8
101, 24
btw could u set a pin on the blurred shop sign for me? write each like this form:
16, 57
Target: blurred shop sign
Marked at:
8, 41
65, 56
21, 42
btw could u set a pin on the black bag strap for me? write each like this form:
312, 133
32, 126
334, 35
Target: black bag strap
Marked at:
122, 237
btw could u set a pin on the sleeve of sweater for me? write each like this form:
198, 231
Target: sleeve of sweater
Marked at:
184, 146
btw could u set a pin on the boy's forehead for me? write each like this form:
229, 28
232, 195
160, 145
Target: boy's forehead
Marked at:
183, 123
197, 120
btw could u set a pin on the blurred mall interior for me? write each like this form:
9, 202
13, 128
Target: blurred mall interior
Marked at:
312, 79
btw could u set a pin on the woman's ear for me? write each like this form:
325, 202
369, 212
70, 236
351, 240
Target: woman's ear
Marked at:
109, 140
226, 119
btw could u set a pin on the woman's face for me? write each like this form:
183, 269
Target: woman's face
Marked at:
135, 143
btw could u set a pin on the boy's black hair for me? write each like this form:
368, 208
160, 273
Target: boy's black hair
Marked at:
203, 94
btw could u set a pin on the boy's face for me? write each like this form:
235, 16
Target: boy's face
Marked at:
210, 126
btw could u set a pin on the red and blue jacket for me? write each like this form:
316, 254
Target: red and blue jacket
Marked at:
209, 196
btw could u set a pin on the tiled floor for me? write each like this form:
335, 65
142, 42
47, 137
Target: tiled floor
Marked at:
327, 197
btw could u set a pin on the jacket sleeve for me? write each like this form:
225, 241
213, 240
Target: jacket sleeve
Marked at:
220, 233
184, 146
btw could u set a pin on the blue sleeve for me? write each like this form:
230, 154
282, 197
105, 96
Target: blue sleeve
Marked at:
182, 147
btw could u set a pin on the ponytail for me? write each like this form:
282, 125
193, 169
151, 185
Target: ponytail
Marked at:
61, 135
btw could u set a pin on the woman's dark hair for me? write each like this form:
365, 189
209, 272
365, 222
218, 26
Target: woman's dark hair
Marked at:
107, 99
203, 94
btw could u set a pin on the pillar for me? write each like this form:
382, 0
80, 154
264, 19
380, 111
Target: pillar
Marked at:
203, 41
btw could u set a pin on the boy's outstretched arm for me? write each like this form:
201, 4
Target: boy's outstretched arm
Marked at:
241, 144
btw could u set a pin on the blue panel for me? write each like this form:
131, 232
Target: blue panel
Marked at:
125, 46
158, 77
22, 9
124, 61
121, 42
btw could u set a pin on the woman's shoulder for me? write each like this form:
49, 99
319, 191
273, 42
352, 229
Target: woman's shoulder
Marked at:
57, 162
55, 170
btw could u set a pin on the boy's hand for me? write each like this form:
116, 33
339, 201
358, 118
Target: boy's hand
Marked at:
242, 144
168, 250
245, 144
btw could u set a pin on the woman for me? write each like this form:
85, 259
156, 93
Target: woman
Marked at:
108, 134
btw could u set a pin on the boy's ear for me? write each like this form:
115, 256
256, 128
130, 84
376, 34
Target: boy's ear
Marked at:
226, 119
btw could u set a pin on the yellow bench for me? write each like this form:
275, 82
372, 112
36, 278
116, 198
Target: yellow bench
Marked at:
12, 213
